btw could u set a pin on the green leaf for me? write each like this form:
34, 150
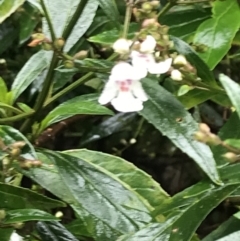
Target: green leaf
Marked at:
88, 192
110, 9
183, 24
233, 142
202, 69
54, 231
5, 233
228, 227
233, 91
61, 13
24, 215
7, 7
168, 115
3, 91
78, 228
230, 237
109, 37
142, 183
184, 89
28, 22
17, 198
34, 66
218, 32
86, 105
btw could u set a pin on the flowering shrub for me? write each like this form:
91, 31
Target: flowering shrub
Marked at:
119, 120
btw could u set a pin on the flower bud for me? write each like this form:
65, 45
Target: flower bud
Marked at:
230, 156
180, 60
69, 64
214, 139
18, 225
38, 36
204, 128
149, 22
18, 144
36, 163
2, 214
59, 43
121, 46
81, 54
200, 136
176, 75
148, 45
155, 4
15, 152
59, 214
47, 46
6, 161
147, 7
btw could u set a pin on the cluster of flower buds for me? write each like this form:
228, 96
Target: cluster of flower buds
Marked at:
146, 9
124, 89
204, 135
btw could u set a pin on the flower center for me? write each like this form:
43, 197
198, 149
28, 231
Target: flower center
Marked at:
124, 85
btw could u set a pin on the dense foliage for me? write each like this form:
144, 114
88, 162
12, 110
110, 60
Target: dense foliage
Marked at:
73, 167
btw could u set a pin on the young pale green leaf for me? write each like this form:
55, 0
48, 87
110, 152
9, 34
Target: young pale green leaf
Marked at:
24, 215
183, 24
61, 13
218, 32
86, 105
110, 9
231, 237
142, 183
88, 192
230, 226
184, 89
33, 67
7, 7
168, 115
202, 69
54, 231
233, 91
18, 198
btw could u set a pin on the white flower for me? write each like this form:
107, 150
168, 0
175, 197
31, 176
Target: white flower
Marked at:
148, 45
122, 46
176, 75
15, 237
124, 89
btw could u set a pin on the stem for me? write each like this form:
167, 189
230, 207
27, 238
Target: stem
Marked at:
166, 8
192, 2
48, 20
15, 118
74, 19
43, 94
127, 18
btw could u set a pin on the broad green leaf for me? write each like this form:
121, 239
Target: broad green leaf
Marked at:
28, 22
109, 37
9, 136
18, 198
233, 142
3, 91
183, 24
218, 32
228, 227
34, 66
86, 104
142, 183
5, 233
202, 69
233, 91
7, 7
168, 115
230, 237
24, 215
61, 13
89, 194
107, 127
110, 9
78, 228
54, 231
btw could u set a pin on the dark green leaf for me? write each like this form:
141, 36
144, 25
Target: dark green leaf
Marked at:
7, 7
78, 228
17, 198
110, 9
33, 67
183, 24
202, 69
86, 104
54, 231
109, 37
168, 115
5, 233
142, 183
24, 215
233, 91
233, 142
218, 32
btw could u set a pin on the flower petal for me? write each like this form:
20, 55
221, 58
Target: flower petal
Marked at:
109, 92
125, 102
138, 91
121, 46
122, 71
160, 68
15, 237
148, 45
176, 75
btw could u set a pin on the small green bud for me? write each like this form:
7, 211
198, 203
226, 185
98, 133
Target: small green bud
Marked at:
68, 64
155, 4
59, 43
47, 46
200, 136
2, 214
147, 7
15, 152
230, 156
204, 128
38, 36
